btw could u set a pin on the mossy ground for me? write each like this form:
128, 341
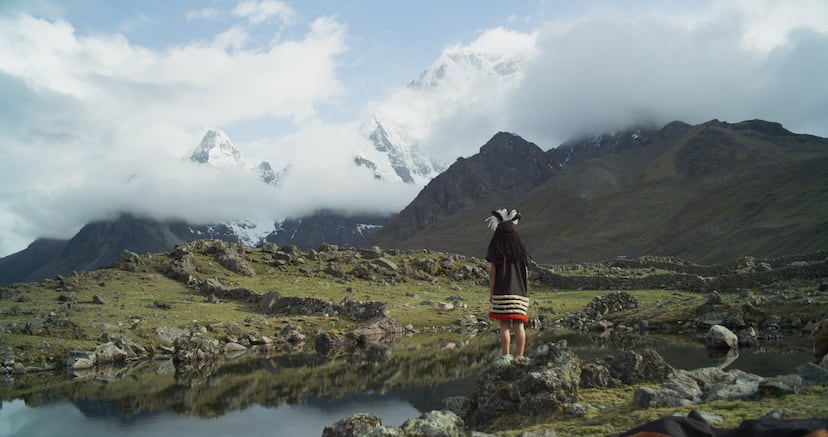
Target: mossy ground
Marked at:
131, 310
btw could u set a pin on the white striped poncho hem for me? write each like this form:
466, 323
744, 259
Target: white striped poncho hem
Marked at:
509, 304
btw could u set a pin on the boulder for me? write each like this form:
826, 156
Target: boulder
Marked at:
435, 424
127, 261
813, 374
327, 342
630, 367
459, 405
780, 385
194, 347
719, 337
541, 384
688, 387
680, 390
232, 261
80, 360
109, 353
353, 426
268, 301
596, 375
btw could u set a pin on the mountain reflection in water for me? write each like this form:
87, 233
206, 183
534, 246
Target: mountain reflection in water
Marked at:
298, 394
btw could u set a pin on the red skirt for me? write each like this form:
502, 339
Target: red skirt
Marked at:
520, 317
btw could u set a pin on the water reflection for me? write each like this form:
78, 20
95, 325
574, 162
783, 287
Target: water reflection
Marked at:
300, 393
65, 418
682, 354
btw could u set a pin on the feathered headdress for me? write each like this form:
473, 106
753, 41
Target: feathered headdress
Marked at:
501, 215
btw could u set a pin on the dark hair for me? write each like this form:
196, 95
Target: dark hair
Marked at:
506, 243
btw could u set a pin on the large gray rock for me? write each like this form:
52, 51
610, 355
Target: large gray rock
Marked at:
680, 390
80, 360
109, 353
813, 374
780, 385
631, 367
719, 337
688, 387
542, 384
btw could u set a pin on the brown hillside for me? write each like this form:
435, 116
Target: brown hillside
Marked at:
706, 193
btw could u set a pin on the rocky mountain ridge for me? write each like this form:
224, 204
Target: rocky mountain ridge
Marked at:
706, 193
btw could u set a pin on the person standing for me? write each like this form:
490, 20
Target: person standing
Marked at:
508, 279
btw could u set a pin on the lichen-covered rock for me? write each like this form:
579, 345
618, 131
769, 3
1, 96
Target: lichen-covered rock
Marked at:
459, 405
631, 367
232, 261
680, 390
195, 347
595, 375
435, 424
544, 383
688, 387
353, 426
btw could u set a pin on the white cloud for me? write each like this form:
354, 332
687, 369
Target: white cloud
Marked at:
93, 112
202, 14
257, 12
613, 71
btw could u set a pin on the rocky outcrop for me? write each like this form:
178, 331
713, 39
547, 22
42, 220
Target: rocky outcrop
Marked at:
353, 426
593, 314
306, 306
689, 387
543, 383
195, 347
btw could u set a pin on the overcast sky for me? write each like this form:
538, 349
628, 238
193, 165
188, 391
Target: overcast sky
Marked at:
101, 101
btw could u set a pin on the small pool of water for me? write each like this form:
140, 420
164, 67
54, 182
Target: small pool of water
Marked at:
79, 413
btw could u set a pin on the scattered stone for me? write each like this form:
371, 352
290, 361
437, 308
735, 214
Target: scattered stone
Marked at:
162, 305
168, 334
713, 298
98, 300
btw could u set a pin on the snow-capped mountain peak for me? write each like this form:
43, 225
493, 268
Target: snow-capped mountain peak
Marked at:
216, 150
462, 77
